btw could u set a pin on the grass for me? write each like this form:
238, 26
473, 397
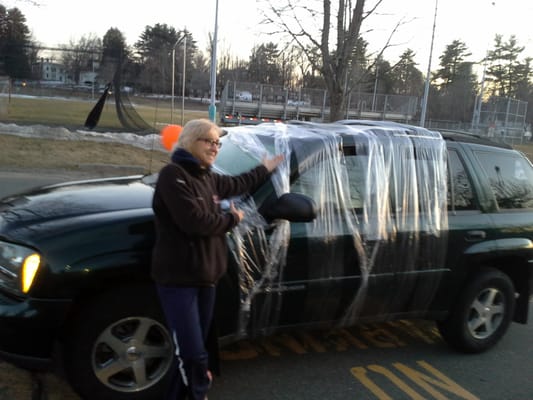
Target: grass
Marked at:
36, 153
72, 111
42, 154
527, 149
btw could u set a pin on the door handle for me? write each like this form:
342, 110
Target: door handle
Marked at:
473, 236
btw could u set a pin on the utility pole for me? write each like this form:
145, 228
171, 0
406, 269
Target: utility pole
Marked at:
212, 106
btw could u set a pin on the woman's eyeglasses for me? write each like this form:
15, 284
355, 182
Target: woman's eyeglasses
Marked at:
211, 142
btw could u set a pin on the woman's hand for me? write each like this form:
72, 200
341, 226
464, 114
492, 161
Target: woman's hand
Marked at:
238, 214
272, 163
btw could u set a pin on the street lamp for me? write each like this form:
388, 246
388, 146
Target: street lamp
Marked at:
212, 106
184, 39
426, 87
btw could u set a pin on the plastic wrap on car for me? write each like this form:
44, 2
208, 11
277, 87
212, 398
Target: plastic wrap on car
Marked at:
393, 212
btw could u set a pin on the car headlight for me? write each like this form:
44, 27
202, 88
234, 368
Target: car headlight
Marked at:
18, 267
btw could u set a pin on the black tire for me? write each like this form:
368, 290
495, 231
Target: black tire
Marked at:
482, 313
119, 348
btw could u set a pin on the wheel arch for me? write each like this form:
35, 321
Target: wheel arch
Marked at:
111, 292
92, 312
457, 330
517, 268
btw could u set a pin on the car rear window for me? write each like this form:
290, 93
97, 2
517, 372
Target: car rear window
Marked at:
510, 176
460, 192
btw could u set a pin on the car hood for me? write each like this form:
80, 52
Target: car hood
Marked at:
49, 205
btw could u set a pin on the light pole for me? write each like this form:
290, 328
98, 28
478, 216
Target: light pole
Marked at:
478, 101
184, 39
375, 88
183, 80
212, 106
92, 86
426, 87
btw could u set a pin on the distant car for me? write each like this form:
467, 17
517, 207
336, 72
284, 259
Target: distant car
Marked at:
366, 221
291, 102
243, 96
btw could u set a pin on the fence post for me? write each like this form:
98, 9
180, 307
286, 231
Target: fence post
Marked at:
260, 103
324, 105
347, 116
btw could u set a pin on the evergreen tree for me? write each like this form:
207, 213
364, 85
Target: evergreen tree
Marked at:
504, 69
114, 47
155, 53
524, 76
450, 63
455, 85
15, 44
155, 48
263, 66
115, 53
406, 78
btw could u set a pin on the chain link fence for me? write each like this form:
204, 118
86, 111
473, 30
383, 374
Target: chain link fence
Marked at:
504, 119
5, 95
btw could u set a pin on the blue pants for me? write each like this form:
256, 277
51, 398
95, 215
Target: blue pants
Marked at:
188, 312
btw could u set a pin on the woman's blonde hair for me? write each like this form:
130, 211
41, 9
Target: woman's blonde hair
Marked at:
195, 129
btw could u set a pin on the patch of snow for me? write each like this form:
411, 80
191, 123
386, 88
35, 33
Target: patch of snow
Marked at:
147, 142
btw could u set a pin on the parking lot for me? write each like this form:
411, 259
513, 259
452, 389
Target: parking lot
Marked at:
396, 360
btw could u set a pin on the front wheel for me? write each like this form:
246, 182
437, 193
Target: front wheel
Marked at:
119, 348
482, 313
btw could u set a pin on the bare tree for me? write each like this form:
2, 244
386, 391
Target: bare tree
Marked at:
79, 56
333, 62
340, 24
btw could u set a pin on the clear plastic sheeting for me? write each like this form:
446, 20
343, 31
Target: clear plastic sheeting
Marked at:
379, 240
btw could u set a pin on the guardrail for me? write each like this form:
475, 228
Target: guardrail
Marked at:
248, 103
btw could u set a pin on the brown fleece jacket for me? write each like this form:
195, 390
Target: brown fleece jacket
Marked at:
190, 247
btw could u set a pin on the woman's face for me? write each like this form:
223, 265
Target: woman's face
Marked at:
205, 148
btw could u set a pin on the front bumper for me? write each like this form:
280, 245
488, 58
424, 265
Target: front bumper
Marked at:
29, 330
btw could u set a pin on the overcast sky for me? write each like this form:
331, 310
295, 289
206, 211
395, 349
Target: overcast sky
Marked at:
475, 22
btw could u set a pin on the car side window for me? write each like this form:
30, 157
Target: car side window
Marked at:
318, 182
357, 171
510, 177
321, 183
306, 182
460, 193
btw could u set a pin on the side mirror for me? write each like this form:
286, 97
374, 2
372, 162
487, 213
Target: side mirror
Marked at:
294, 207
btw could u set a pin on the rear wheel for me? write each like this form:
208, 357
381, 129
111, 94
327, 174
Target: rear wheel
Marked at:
119, 348
482, 313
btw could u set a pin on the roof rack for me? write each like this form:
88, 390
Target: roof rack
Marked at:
461, 136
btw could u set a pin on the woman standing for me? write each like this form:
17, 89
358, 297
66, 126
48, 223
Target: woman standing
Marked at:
190, 252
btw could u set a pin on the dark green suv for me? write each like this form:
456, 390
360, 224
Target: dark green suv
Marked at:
364, 221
